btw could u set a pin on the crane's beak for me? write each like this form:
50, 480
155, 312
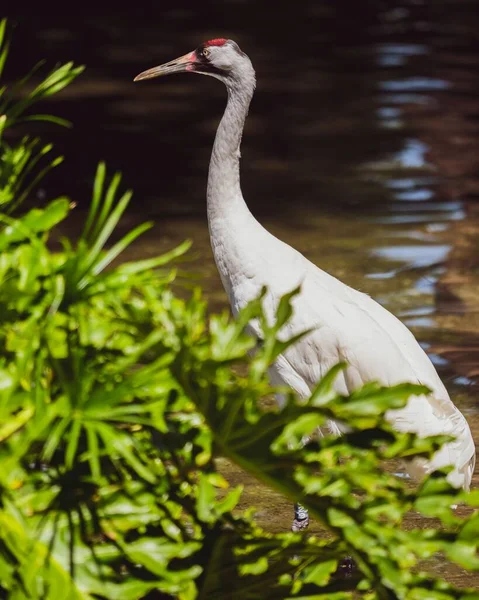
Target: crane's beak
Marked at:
179, 65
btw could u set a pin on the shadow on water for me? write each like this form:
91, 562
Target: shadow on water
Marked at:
361, 149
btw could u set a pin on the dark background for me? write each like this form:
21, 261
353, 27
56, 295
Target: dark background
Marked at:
322, 109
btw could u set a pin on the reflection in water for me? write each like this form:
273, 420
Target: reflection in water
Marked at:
396, 55
413, 155
415, 256
416, 195
361, 148
412, 84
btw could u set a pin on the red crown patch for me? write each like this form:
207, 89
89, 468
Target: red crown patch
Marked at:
216, 42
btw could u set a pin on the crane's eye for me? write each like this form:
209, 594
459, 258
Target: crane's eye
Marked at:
206, 52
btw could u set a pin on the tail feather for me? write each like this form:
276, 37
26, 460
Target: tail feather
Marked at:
439, 417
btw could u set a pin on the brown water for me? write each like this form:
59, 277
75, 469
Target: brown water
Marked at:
361, 150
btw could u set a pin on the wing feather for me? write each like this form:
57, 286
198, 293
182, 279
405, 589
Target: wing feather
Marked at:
350, 326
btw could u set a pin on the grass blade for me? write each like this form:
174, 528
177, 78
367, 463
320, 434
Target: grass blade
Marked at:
48, 119
120, 246
57, 161
105, 233
72, 444
107, 204
120, 444
93, 451
158, 261
96, 198
3, 46
3, 25
55, 438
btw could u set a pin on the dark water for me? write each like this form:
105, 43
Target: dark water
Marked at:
361, 149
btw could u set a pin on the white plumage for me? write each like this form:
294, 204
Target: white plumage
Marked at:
348, 325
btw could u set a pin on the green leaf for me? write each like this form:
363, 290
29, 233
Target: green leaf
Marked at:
470, 530
4, 45
34, 222
47, 119
320, 574
258, 567
285, 308
35, 565
205, 504
106, 207
132, 268
123, 446
324, 392
55, 437
72, 444
119, 247
111, 222
96, 199
93, 451
229, 503
464, 554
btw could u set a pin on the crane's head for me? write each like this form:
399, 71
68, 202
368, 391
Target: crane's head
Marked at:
218, 58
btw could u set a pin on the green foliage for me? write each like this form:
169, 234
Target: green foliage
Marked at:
27, 161
116, 396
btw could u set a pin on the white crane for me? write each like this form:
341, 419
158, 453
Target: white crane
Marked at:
348, 325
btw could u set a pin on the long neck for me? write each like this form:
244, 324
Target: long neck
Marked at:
225, 200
